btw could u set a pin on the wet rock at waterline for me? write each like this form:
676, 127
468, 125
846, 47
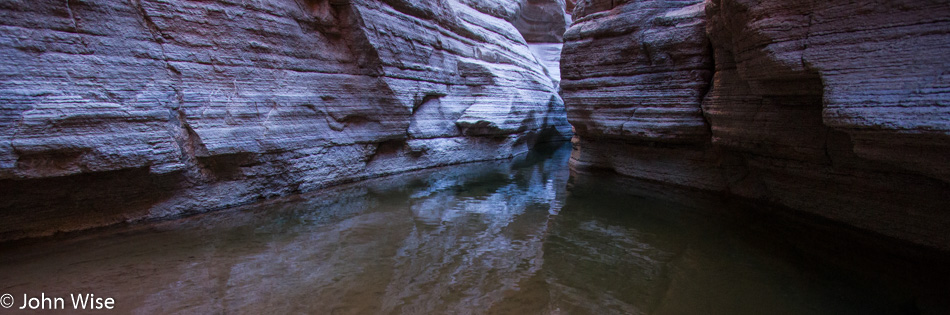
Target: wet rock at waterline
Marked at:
526, 236
835, 108
118, 111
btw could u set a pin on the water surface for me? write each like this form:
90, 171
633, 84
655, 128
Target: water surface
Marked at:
520, 237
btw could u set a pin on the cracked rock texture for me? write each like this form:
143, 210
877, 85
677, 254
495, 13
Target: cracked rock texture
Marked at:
838, 109
115, 111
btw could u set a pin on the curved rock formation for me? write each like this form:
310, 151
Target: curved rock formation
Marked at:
116, 111
835, 108
540, 22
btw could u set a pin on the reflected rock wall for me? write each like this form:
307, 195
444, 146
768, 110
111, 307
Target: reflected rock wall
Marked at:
445, 240
116, 111
834, 108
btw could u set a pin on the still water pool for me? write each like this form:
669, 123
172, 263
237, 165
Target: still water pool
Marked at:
508, 237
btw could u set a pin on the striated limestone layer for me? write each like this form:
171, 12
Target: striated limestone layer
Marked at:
834, 108
114, 111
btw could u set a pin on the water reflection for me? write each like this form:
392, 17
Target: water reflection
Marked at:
499, 237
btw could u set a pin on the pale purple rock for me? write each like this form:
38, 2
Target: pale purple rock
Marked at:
116, 111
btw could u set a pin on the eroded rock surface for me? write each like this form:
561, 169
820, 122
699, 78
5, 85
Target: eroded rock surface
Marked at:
126, 110
540, 22
836, 108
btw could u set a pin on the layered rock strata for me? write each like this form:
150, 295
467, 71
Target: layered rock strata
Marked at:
539, 21
116, 111
834, 108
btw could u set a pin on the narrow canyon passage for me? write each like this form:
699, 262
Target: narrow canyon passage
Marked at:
523, 236
475, 156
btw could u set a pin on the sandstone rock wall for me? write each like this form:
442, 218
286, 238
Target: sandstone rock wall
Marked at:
114, 111
835, 108
540, 22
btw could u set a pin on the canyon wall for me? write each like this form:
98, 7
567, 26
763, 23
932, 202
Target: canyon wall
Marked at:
836, 109
117, 111
540, 22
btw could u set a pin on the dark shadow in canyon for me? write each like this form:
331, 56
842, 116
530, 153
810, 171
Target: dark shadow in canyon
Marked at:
521, 236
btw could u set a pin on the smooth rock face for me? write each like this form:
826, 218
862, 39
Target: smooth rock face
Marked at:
114, 111
539, 21
549, 54
835, 108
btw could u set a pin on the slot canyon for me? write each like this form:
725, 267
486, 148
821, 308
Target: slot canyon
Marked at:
476, 156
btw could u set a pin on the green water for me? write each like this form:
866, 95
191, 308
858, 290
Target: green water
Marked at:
510, 237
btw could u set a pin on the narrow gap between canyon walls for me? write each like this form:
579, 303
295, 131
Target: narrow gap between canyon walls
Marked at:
387, 156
